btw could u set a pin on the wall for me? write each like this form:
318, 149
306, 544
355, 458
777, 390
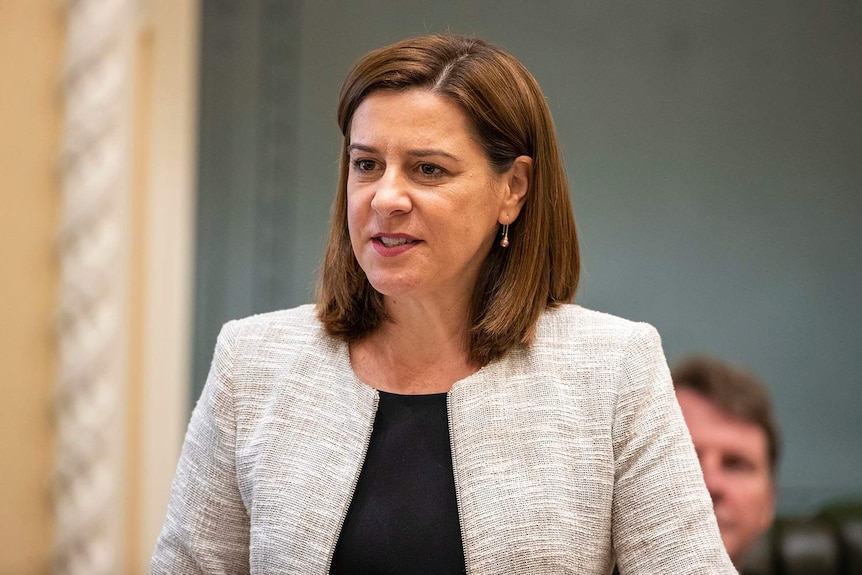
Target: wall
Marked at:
30, 113
713, 151
165, 203
32, 47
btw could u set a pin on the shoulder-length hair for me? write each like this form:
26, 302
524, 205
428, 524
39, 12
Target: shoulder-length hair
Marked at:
540, 268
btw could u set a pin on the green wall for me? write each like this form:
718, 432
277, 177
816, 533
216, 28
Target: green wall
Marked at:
714, 151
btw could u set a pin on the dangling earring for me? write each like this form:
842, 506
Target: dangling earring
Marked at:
505, 241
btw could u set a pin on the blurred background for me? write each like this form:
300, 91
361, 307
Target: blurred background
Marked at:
714, 152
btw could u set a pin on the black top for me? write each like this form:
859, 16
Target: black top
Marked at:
404, 517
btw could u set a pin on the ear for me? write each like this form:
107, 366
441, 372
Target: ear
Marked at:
517, 186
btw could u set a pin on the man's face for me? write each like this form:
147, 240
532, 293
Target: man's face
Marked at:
734, 457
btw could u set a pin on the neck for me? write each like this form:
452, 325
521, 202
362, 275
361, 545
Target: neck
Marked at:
422, 349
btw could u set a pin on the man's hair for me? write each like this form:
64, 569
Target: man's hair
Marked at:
510, 117
736, 392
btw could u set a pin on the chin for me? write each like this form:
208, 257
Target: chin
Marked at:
389, 286
733, 550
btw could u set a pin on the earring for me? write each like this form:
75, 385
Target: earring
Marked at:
505, 241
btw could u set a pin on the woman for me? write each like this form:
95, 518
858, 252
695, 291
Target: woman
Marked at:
441, 409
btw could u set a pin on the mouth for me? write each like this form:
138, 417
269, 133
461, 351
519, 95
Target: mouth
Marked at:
392, 241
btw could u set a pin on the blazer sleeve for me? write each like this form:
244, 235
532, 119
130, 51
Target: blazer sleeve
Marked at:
207, 526
662, 519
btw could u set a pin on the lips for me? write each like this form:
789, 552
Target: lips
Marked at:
393, 240
393, 244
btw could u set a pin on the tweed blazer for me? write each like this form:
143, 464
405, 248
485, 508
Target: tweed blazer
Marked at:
568, 454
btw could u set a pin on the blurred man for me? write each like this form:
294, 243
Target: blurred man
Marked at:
730, 419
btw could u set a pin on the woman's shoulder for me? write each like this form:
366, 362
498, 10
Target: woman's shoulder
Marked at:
574, 321
571, 331
278, 343
301, 320
275, 333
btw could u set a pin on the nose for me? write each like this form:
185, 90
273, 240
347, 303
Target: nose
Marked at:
391, 195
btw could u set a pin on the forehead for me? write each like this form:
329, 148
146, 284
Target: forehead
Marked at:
712, 426
416, 112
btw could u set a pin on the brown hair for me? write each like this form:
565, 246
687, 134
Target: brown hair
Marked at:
540, 268
736, 392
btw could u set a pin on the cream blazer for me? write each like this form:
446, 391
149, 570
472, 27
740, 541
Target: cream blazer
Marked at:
568, 454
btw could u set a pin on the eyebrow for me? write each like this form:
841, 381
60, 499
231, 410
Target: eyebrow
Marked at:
423, 153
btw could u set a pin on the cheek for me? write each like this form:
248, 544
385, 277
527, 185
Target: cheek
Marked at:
354, 210
766, 500
470, 229
757, 501
354, 223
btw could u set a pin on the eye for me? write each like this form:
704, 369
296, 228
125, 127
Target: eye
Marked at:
430, 170
364, 165
738, 464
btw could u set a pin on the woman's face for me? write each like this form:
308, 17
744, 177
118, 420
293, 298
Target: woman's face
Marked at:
423, 203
